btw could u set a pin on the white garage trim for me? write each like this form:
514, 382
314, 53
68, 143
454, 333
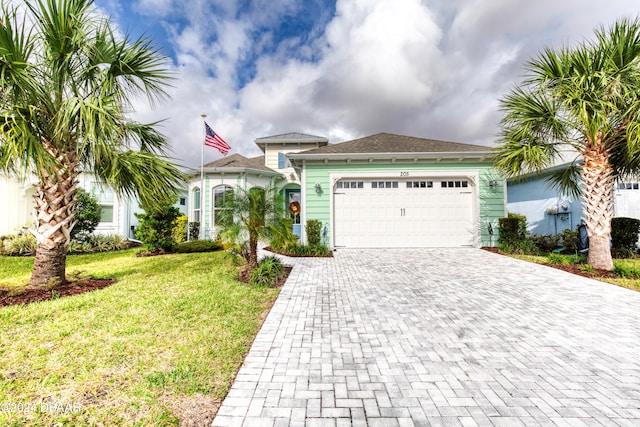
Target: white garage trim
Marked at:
403, 176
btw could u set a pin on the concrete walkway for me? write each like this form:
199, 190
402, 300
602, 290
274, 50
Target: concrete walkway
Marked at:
440, 337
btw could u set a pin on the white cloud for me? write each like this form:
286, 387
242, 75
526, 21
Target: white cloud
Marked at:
430, 68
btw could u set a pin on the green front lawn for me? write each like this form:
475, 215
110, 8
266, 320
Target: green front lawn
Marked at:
625, 274
161, 344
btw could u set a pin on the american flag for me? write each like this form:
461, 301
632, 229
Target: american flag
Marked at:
212, 139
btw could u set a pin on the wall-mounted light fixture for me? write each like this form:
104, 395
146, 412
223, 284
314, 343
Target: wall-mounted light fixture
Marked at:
318, 188
493, 183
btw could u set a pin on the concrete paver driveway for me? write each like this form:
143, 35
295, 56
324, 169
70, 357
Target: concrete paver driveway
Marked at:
440, 337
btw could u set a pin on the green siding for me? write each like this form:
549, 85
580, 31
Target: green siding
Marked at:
491, 203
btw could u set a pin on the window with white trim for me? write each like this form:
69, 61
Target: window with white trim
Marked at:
105, 196
195, 202
221, 195
283, 161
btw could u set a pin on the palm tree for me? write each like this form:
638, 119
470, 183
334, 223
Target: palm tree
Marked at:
67, 83
251, 216
586, 99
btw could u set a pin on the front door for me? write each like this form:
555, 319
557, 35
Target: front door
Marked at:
294, 205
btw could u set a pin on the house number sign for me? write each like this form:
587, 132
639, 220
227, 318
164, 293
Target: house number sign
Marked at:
404, 173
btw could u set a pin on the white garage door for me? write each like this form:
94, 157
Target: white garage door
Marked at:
387, 213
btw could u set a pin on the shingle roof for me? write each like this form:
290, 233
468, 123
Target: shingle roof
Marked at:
391, 143
238, 161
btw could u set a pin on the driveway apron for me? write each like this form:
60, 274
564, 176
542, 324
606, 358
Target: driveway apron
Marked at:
440, 337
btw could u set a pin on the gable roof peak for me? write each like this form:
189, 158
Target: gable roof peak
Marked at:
235, 162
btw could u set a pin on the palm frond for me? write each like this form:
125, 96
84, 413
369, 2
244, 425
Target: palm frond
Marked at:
567, 180
146, 137
140, 68
148, 177
16, 48
531, 130
21, 151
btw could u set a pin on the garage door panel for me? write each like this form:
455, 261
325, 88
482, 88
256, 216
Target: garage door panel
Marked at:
390, 213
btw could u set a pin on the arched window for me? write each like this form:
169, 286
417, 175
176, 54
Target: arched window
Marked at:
221, 195
195, 202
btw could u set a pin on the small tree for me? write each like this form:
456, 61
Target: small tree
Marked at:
250, 216
87, 215
155, 229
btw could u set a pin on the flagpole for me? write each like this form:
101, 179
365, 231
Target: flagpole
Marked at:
204, 135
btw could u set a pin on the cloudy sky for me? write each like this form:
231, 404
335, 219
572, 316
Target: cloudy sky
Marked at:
347, 68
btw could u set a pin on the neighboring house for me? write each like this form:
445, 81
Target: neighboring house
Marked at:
237, 171
389, 190
549, 212
117, 215
546, 209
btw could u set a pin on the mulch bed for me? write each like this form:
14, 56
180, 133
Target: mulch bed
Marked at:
571, 268
76, 287
574, 269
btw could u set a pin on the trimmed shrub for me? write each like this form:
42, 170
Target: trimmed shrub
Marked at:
197, 246
267, 272
512, 229
313, 229
624, 235
546, 242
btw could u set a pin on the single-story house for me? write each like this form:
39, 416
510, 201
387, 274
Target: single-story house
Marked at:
117, 214
388, 190
550, 212
272, 169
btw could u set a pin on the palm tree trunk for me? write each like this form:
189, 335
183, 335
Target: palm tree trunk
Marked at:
597, 182
253, 251
55, 200
49, 267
